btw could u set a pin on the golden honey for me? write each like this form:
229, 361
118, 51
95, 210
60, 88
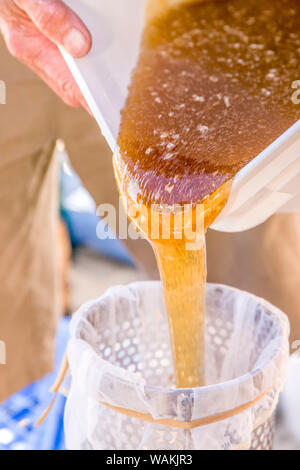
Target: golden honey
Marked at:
211, 90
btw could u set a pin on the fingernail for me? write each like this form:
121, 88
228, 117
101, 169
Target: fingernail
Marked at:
76, 43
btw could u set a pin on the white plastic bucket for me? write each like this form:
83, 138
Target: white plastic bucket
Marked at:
121, 391
269, 184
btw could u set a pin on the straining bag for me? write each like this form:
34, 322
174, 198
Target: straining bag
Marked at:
121, 385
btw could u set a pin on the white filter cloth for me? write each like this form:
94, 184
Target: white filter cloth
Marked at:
119, 354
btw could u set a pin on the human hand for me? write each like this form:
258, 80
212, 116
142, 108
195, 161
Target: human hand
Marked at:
32, 30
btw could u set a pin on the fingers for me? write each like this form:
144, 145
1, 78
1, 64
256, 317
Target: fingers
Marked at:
60, 80
59, 23
44, 58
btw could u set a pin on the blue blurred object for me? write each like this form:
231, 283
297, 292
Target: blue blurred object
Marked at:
21, 411
79, 211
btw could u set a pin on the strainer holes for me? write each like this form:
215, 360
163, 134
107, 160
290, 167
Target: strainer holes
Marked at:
159, 354
218, 341
126, 325
212, 331
153, 363
126, 361
136, 358
165, 362
121, 354
223, 333
126, 343
107, 352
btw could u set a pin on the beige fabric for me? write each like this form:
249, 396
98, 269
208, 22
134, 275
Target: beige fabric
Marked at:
264, 261
28, 294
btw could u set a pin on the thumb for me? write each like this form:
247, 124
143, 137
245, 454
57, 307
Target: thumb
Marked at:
59, 23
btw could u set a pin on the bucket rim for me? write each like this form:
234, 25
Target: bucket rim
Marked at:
253, 375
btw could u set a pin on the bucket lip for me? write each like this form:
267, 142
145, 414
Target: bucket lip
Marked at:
207, 388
